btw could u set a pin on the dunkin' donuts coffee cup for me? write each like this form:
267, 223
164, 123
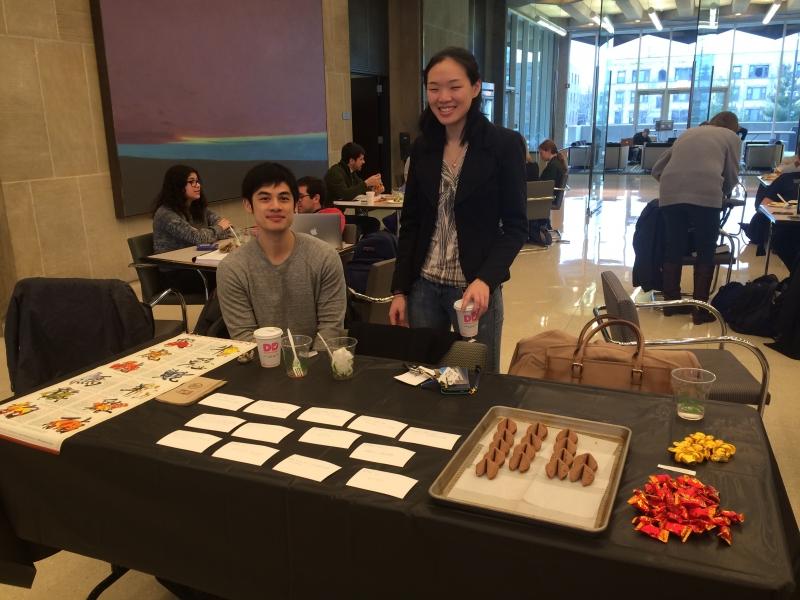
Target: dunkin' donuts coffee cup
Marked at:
269, 345
467, 319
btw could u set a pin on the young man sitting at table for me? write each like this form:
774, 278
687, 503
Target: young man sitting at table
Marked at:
312, 199
280, 278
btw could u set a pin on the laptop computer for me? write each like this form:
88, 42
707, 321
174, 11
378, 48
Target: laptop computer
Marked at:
324, 226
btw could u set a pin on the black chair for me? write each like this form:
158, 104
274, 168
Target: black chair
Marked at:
210, 321
373, 305
141, 246
56, 326
734, 384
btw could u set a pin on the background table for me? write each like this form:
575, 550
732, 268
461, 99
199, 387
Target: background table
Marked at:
241, 531
777, 215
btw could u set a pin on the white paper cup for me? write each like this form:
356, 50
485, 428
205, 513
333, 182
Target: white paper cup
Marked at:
269, 345
467, 319
370, 196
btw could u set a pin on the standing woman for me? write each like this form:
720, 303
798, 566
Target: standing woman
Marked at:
182, 219
464, 219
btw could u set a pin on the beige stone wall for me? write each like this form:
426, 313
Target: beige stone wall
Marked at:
56, 202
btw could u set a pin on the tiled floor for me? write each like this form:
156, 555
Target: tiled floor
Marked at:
550, 288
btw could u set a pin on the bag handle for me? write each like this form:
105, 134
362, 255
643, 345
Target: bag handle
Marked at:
586, 335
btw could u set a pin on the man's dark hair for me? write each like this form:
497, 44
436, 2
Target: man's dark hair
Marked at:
268, 173
351, 150
314, 186
428, 123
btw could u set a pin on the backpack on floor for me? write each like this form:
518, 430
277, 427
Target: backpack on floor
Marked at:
751, 308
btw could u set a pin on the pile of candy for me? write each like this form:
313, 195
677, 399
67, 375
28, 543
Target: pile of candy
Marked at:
682, 506
698, 447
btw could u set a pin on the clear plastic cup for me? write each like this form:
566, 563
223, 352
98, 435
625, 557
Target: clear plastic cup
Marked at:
690, 388
467, 319
302, 346
269, 345
343, 351
370, 196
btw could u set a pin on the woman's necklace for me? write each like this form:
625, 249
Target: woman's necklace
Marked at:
454, 163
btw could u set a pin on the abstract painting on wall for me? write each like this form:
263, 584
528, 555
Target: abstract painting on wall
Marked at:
219, 86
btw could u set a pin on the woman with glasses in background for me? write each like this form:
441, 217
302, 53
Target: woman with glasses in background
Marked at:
182, 219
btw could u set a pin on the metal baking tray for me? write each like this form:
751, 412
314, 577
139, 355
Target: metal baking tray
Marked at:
531, 496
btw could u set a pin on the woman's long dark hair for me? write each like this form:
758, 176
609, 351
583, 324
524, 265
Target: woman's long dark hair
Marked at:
551, 147
173, 194
429, 125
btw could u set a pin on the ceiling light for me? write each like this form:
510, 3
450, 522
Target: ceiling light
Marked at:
655, 19
542, 22
606, 24
771, 12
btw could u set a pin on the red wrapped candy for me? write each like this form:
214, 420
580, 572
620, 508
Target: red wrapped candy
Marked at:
680, 506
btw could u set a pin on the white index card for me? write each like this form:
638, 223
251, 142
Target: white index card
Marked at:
280, 410
214, 422
252, 454
336, 438
390, 484
385, 427
326, 416
303, 466
380, 453
429, 437
226, 401
189, 440
262, 432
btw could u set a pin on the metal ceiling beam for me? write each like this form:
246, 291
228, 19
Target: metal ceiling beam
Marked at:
685, 7
739, 6
632, 9
579, 11
792, 5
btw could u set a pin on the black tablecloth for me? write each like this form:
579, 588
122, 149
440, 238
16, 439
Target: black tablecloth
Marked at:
242, 531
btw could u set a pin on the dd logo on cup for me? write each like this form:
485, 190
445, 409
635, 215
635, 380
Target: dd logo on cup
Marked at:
470, 317
273, 347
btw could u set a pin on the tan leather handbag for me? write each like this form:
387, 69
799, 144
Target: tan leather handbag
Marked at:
557, 356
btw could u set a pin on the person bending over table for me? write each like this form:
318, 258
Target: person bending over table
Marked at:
694, 176
463, 219
280, 278
182, 219
313, 199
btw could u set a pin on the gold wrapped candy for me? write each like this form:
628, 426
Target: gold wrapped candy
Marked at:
697, 447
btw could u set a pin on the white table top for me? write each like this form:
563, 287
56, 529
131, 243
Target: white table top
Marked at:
384, 201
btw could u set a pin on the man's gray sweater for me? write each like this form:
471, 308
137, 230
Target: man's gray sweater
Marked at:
305, 293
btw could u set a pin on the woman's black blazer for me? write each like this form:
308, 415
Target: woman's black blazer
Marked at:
490, 210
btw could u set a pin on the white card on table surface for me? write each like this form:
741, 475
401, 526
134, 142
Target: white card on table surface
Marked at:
226, 401
326, 416
252, 454
281, 410
429, 437
411, 378
329, 437
262, 432
303, 466
189, 440
390, 484
385, 427
214, 422
380, 453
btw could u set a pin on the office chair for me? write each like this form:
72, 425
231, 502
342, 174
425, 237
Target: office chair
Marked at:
373, 305
734, 383
141, 246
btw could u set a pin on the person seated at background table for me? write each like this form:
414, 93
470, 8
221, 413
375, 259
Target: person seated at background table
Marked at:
343, 180
781, 188
642, 137
182, 219
280, 278
695, 175
313, 199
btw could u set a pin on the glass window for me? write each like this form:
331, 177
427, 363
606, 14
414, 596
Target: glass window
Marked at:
662, 74
753, 114
658, 101
758, 71
736, 72
632, 97
579, 95
756, 93
620, 76
644, 75
617, 117
619, 98
683, 74
735, 93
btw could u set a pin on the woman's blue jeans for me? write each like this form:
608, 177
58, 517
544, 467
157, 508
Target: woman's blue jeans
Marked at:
431, 305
